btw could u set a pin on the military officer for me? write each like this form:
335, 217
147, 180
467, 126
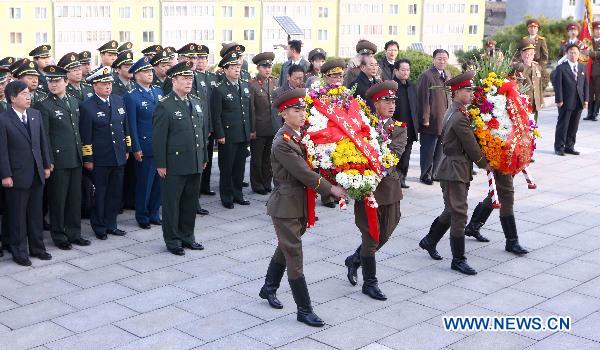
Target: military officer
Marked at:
139, 104
187, 53
27, 71
172, 55
594, 54
232, 124
531, 72
541, 48
363, 48
60, 115
206, 80
161, 62
228, 48
152, 50
41, 57
3, 82
388, 192
105, 150
460, 151
125, 47
572, 38
288, 208
122, 77
108, 53
261, 90
85, 58
7, 61
180, 155
76, 87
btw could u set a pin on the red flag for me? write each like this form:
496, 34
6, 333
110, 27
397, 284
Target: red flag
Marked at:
586, 43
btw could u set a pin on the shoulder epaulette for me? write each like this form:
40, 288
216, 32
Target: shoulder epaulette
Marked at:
525, 37
541, 37
400, 124
163, 98
286, 136
243, 80
194, 96
84, 83
219, 83
45, 97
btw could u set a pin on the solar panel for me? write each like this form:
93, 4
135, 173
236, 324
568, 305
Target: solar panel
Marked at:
417, 46
288, 25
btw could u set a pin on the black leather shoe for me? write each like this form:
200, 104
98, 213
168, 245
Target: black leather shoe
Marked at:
590, 118
64, 246
176, 251
1, 252
245, 184
228, 205
43, 256
22, 261
82, 242
426, 244
46, 225
329, 205
513, 246
209, 192
261, 192
193, 246
202, 211
559, 153
156, 222
403, 184
145, 226
509, 227
459, 262
101, 236
426, 181
460, 265
116, 232
352, 262
478, 219
241, 201
572, 151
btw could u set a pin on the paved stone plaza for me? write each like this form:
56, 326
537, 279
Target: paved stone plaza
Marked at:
130, 293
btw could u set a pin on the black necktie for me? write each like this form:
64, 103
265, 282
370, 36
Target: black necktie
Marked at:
443, 76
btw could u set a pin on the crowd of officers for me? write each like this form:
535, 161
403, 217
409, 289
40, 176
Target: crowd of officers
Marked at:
141, 133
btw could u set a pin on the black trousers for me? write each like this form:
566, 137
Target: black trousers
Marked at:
24, 219
261, 173
405, 159
129, 180
566, 128
64, 197
232, 165
431, 150
109, 182
205, 181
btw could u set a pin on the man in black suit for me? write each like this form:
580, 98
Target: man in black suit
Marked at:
571, 96
406, 111
366, 78
24, 167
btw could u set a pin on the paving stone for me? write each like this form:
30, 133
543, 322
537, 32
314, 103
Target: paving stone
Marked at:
155, 321
154, 262
539, 334
45, 273
587, 327
447, 297
201, 267
410, 262
555, 254
220, 325
279, 332
155, 298
106, 337
571, 304
402, 315
235, 341
421, 336
353, 334
576, 269
593, 257
508, 301
566, 341
486, 282
7, 283
39, 292
522, 267
306, 344
429, 277
34, 313
94, 317
95, 261
153, 279
32, 336
468, 310
170, 339
215, 302
546, 285
210, 282
493, 340
92, 278
262, 310
96, 295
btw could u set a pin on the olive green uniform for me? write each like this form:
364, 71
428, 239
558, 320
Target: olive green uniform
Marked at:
82, 92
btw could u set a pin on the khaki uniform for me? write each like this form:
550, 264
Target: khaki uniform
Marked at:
287, 204
541, 49
533, 80
388, 195
460, 151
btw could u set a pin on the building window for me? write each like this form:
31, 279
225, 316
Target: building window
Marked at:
41, 38
41, 13
412, 9
322, 34
571, 2
392, 30
394, 9
147, 12
474, 8
473, 29
124, 36
248, 34
14, 13
249, 11
323, 12
411, 30
125, 12
227, 35
16, 38
148, 36
227, 11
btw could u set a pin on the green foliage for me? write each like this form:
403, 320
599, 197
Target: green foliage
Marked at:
420, 62
467, 58
553, 30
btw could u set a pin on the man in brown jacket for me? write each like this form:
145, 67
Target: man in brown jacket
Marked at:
287, 206
531, 74
261, 102
388, 193
460, 151
432, 104
594, 85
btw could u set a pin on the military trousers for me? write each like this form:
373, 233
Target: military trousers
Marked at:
147, 191
108, 181
388, 217
206, 173
431, 151
232, 165
261, 173
506, 194
64, 197
289, 245
179, 202
455, 206
404, 161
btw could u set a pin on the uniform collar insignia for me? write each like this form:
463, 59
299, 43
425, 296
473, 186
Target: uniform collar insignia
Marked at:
178, 113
